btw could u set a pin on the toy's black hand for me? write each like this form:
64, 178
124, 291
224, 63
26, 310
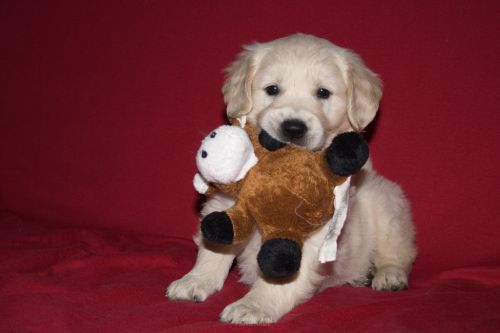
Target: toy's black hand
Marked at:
217, 227
270, 143
347, 153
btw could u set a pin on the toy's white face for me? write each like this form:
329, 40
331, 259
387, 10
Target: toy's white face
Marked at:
225, 155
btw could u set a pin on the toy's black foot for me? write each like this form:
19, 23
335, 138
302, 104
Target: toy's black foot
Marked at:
279, 258
347, 153
217, 227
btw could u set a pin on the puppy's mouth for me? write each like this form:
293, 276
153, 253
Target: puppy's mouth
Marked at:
290, 132
270, 143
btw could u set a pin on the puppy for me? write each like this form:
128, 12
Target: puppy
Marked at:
304, 90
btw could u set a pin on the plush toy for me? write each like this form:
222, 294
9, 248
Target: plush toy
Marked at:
284, 190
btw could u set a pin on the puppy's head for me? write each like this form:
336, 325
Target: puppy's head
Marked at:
302, 90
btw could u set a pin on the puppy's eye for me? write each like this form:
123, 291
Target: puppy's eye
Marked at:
204, 154
272, 90
213, 134
323, 93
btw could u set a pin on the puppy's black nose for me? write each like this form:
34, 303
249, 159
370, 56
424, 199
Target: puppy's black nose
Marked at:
293, 129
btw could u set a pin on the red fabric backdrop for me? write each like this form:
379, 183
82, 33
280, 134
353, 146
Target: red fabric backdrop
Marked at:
103, 104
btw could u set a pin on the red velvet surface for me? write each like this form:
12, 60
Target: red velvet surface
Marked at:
102, 106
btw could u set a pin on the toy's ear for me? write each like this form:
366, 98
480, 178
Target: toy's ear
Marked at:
347, 153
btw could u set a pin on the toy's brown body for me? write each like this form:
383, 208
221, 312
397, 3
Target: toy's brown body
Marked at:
288, 194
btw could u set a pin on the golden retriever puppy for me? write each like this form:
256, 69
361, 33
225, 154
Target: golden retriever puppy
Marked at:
304, 90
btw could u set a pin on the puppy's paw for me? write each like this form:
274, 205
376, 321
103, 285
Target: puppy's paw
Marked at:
245, 312
390, 278
191, 288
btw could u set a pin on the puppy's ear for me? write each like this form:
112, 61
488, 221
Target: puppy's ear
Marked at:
237, 88
364, 90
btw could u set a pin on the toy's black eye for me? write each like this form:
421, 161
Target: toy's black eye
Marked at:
323, 93
272, 90
204, 154
213, 134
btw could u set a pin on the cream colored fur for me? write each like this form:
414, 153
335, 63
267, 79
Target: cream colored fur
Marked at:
378, 237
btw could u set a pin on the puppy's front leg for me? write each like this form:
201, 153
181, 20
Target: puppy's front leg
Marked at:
206, 278
267, 302
212, 264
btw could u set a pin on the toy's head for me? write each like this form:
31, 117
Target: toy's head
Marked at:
225, 155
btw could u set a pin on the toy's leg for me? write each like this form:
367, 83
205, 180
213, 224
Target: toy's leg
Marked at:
227, 227
280, 254
212, 264
279, 258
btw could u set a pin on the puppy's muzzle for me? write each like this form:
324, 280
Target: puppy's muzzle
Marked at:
293, 129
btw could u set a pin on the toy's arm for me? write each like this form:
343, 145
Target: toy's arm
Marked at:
228, 227
243, 224
347, 153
